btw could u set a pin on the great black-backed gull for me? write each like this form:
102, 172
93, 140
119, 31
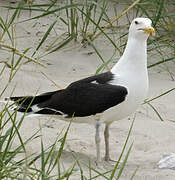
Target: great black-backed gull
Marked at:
102, 98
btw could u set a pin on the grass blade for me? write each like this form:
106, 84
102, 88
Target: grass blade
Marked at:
124, 163
44, 37
160, 62
69, 39
56, 10
112, 42
166, 92
124, 147
158, 114
99, 55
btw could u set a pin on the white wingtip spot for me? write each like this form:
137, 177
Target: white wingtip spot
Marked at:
94, 82
35, 108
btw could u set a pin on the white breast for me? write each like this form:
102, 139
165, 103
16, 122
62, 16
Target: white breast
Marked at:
137, 86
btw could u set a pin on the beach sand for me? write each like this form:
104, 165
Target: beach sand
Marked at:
151, 136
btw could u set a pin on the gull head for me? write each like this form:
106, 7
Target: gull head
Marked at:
141, 28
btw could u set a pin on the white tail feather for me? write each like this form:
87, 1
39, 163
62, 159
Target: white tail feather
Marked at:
11, 104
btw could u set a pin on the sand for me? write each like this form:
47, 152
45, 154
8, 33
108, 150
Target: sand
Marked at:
151, 136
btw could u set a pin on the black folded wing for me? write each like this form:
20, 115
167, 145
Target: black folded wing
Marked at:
85, 97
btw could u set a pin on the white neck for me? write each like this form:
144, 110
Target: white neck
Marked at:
134, 57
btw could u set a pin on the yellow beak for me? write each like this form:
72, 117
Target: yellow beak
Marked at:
149, 30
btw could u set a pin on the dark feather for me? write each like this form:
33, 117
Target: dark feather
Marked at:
85, 99
79, 99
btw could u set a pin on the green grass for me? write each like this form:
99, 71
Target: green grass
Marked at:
85, 22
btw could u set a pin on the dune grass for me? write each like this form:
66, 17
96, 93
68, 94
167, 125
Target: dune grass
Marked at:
85, 22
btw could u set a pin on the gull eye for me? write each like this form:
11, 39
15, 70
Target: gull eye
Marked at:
136, 22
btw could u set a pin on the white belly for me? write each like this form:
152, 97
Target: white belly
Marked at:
120, 111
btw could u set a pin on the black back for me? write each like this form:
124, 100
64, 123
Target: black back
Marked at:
86, 97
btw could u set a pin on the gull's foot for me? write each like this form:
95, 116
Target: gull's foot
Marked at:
108, 159
110, 163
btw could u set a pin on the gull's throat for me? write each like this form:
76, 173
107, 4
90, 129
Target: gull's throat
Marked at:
134, 57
